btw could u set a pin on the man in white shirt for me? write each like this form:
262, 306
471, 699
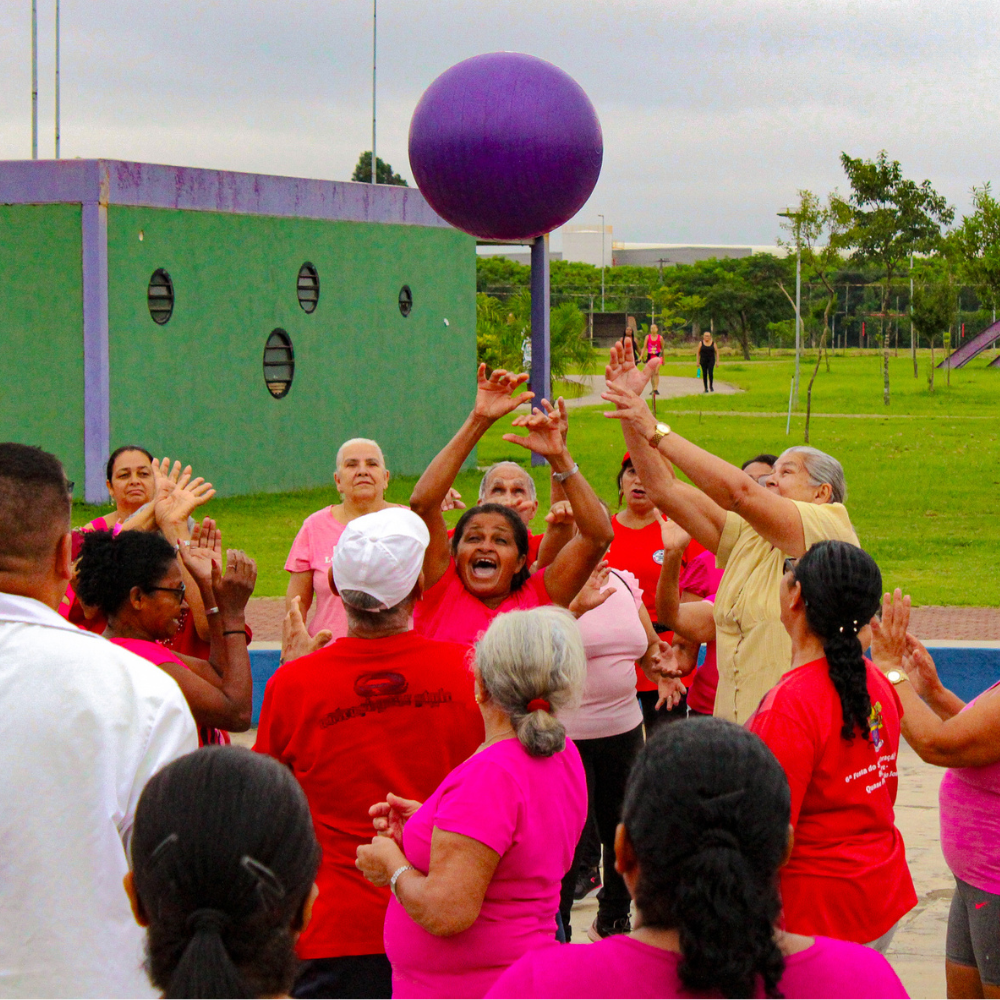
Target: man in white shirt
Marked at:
84, 724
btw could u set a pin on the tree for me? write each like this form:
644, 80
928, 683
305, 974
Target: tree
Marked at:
809, 224
977, 243
383, 171
891, 217
932, 310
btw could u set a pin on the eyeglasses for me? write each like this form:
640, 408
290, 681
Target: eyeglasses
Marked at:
179, 591
763, 480
789, 565
69, 486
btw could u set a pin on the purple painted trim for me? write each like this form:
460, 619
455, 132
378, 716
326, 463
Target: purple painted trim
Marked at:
156, 186
96, 367
541, 380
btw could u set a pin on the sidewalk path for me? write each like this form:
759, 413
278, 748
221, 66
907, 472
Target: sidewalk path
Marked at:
671, 386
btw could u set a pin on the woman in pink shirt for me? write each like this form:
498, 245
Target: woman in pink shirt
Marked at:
703, 834
475, 871
482, 570
362, 479
964, 738
134, 579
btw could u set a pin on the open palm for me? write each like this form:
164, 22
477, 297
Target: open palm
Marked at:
544, 431
622, 369
493, 394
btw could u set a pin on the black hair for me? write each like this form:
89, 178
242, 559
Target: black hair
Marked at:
764, 458
223, 857
34, 505
626, 464
110, 565
706, 810
516, 525
842, 589
110, 468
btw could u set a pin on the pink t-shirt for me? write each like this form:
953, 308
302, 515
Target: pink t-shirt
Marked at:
701, 692
969, 801
449, 613
620, 966
312, 551
531, 811
614, 638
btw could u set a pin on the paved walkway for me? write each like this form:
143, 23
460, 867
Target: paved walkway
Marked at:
671, 387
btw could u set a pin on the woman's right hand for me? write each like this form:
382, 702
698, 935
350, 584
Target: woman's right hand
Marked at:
493, 395
674, 537
592, 595
233, 590
920, 668
390, 817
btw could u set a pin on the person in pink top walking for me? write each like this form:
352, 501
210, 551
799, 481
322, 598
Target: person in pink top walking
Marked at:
964, 738
704, 830
654, 349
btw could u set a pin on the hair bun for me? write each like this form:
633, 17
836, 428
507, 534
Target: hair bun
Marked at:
208, 921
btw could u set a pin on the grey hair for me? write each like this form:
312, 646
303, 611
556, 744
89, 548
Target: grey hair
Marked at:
534, 654
485, 481
369, 613
822, 469
350, 441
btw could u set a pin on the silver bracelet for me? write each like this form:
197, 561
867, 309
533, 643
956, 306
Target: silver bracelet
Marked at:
561, 477
211, 611
395, 875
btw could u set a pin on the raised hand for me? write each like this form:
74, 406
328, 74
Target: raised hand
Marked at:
390, 817
177, 493
889, 634
207, 535
623, 372
453, 501
295, 638
198, 562
561, 512
920, 668
674, 537
563, 417
592, 595
233, 590
544, 436
629, 407
493, 395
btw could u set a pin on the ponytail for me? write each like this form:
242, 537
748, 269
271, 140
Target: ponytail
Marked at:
205, 968
842, 589
706, 811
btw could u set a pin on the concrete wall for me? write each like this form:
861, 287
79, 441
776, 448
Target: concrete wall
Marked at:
194, 387
41, 330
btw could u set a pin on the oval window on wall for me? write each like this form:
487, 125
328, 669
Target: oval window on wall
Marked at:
405, 300
279, 363
308, 287
160, 296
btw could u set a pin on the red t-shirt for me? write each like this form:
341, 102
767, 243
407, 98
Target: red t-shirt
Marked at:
353, 721
640, 551
847, 876
534, 543
447, 611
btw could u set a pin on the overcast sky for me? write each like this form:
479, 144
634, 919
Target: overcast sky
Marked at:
714, 111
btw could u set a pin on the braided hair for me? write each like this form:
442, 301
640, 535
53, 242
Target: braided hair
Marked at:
842, 589
223, 859
111, 565
706, 811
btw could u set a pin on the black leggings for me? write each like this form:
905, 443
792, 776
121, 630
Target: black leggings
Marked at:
708, 376
607, 761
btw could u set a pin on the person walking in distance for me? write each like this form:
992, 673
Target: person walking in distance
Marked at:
708, 357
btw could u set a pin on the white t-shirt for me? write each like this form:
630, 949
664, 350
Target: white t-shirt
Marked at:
84, 725
613, 638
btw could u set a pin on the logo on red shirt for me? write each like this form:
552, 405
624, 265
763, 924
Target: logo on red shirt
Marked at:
876, 726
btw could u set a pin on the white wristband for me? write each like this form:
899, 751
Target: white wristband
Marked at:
561, 477
395, 875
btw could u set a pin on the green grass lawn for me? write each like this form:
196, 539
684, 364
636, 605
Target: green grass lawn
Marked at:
923, 491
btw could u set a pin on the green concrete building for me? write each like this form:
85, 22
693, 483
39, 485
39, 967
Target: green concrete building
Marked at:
246, 324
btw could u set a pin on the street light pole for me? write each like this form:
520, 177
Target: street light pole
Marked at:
57, 79
374, 53
788, 214
34, 79
603, 227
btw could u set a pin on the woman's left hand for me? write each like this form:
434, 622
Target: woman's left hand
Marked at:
889, 634
670, 690
629, 407
544, 431
379, 859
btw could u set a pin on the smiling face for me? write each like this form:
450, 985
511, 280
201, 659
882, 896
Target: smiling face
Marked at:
634, 493
487, 558
361, 476
131, 483
158, 612
510, 486
791, 479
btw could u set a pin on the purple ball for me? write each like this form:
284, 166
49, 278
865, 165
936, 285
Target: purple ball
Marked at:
505, 146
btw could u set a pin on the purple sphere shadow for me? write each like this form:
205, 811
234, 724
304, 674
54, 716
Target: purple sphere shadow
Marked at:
505, 146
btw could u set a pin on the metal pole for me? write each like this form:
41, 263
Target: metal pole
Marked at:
540, 368
913, 344
798, 318
34, 79
57, 79
374, 53
603, 228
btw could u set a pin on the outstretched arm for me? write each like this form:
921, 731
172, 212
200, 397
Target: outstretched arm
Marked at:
572, 567
493, 400
694, 620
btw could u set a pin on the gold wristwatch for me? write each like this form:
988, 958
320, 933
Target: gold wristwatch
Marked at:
896, 677
659, 433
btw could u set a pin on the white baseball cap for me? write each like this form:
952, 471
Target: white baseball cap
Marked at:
381, 554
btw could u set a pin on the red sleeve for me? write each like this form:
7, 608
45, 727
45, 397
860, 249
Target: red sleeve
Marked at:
793, 747
534, 544
275, 725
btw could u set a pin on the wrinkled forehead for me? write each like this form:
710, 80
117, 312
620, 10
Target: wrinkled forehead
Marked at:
361, 453
488, 523
790, 460
507, 476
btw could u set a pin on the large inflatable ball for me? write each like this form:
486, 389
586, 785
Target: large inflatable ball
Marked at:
505, 146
